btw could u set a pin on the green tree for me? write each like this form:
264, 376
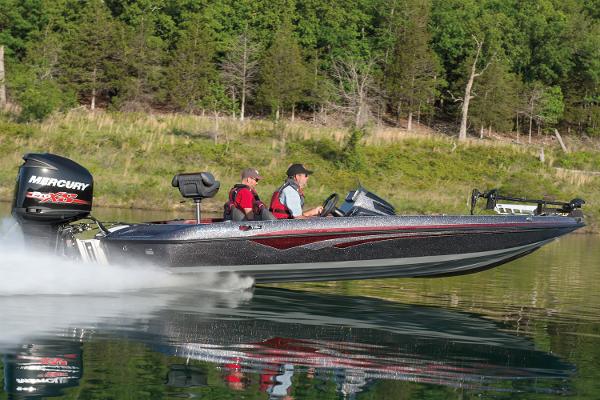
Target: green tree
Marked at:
216, 101
89, 59
142, 53
413, 68
192, 69
582, 89
544, 105
18, 20
339, 29
283, 74
319, 91
548, 26
495, 98
34, 83
453, 24
552, 106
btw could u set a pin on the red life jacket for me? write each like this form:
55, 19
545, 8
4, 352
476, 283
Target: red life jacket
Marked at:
277, 208
257, 205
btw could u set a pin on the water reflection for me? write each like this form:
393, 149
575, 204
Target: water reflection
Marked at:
43, 370
277, 342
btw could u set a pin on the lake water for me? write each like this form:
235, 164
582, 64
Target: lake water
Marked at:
526, 330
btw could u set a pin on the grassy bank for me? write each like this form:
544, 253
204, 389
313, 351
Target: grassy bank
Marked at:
134, 156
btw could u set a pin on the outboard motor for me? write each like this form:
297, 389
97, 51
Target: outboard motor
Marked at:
50, 191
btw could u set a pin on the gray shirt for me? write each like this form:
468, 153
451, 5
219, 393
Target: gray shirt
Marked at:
291, 199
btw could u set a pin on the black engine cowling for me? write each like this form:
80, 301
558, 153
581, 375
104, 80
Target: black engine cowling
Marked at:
51, 191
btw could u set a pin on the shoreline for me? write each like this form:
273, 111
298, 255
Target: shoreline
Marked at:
587, 230
134, 156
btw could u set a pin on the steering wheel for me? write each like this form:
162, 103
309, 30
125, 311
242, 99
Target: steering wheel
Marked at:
329, 204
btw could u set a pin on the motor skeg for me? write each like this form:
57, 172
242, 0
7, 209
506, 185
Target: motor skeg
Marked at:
50, 191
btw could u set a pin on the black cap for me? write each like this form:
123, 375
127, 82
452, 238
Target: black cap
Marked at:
296, 169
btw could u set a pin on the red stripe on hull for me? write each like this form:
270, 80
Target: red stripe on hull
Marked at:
357, 242
375, 229
284, 243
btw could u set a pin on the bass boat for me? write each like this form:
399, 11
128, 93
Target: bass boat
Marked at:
362, 238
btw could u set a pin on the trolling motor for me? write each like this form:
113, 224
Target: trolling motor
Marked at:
571, 208
196, 186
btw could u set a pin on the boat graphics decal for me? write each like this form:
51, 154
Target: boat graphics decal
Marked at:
342, 241
378, 229
59, 183
56, 198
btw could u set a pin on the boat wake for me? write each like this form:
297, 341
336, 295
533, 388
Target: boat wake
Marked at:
28, 272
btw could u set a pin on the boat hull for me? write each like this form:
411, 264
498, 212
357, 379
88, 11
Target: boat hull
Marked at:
338, 248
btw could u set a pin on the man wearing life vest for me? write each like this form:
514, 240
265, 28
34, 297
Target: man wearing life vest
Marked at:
288, 200
243, 196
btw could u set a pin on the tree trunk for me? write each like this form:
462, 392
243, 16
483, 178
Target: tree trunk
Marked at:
490, 131
481, 132
93, 103
243, 107
233, 111
409, 124
2, 85
530, 126
293, 112
216, 114
462, 133
562, 144
244, 78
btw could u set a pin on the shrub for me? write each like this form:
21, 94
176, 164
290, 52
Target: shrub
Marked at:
42, 98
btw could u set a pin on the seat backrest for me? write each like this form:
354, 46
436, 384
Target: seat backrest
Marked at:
265, 215
237, 214
198, 185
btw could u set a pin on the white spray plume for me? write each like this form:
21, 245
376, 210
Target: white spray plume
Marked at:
23, 271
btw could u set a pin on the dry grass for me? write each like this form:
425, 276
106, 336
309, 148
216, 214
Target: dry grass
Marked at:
577, 177
133, 156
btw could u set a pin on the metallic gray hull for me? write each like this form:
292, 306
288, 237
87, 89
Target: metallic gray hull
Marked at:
338, 248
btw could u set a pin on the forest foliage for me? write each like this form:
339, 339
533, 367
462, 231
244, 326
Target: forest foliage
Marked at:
363, 59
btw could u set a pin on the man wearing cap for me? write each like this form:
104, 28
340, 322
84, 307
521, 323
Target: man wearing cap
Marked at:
244, 198
288, 200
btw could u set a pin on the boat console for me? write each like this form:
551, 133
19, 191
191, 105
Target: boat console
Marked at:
361, 202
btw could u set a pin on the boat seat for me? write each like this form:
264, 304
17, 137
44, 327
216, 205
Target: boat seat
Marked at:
197, 186
265, 215
237, 215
